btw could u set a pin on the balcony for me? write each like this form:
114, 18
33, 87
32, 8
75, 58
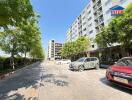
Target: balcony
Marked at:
96, 1
99, 21
98, 14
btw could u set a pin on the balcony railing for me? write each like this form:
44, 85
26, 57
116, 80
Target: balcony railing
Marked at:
99, 13
95, 2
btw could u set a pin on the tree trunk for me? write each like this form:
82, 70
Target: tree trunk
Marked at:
25, 55
12, 60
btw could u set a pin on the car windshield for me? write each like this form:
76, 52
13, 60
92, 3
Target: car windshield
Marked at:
81, 60
125, 62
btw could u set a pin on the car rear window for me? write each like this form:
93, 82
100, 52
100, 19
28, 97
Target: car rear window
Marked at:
125, 62
93, 59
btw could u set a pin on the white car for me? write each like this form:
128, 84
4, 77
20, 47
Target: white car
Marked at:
85, 63
63, 61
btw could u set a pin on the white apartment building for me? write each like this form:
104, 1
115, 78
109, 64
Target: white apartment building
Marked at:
54, 50
95, 15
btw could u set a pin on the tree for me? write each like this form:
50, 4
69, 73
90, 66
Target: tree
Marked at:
118, 31
70, 49
9, 42
14, 12
82, 44
21, 32
124, 28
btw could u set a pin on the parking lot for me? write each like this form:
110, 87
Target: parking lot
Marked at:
63, 84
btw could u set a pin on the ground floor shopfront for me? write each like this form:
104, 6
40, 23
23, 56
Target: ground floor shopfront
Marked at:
106, 55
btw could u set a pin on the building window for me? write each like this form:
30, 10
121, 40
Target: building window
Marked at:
91, 32
122, 1
84, 23
90, 25
89, 18
84, 29
89, 12
83, 17
93, 46
107, 2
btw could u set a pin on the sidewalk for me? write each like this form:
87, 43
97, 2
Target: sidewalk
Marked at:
2, 76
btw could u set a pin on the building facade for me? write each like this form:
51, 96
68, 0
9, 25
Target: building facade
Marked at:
92, 19
54, 50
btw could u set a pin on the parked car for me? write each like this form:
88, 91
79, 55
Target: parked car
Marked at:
85, 63
63, 61
121, 72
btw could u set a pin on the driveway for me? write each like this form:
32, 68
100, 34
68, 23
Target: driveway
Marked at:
48, 81
62, 84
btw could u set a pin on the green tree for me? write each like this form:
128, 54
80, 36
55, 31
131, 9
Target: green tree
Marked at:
118, 31
70, 49
21, 33
9, 42
14, 12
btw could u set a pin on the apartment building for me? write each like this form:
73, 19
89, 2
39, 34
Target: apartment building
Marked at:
54, 50
95, 15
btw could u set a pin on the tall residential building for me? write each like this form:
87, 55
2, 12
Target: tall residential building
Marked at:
54, 50
95, 15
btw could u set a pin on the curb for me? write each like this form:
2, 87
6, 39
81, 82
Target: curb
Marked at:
5, 75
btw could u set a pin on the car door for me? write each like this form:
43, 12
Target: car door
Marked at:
87, 63
92, 62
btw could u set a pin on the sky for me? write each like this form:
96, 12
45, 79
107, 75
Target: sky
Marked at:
56, 17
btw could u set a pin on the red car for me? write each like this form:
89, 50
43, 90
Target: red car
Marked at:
121, 72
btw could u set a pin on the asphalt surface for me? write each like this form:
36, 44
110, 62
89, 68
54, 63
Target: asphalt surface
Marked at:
22, 85
48, 81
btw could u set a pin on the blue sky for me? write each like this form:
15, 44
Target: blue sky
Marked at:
56, 17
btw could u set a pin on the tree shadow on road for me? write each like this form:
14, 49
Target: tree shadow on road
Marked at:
57, 80
115, 86
24, 78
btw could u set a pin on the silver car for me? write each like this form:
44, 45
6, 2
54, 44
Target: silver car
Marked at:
85, 63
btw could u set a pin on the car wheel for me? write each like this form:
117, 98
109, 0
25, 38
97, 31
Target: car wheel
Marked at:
80, 68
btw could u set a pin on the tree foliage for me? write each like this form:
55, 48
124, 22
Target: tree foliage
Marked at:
21, 34
13, 12
70, 49
119, 30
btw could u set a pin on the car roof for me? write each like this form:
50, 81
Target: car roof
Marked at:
89, 57
126, 58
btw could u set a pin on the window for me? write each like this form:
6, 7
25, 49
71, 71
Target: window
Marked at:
122, 1
84, 29
83, 17
89, 18
93, 46
91, 32
87, 60
81, 60
125, 62
84, 23
107, 2
89, 12
93, 59
90, 25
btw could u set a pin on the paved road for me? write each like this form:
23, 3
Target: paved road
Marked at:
23, 84
47, 81
63, 84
